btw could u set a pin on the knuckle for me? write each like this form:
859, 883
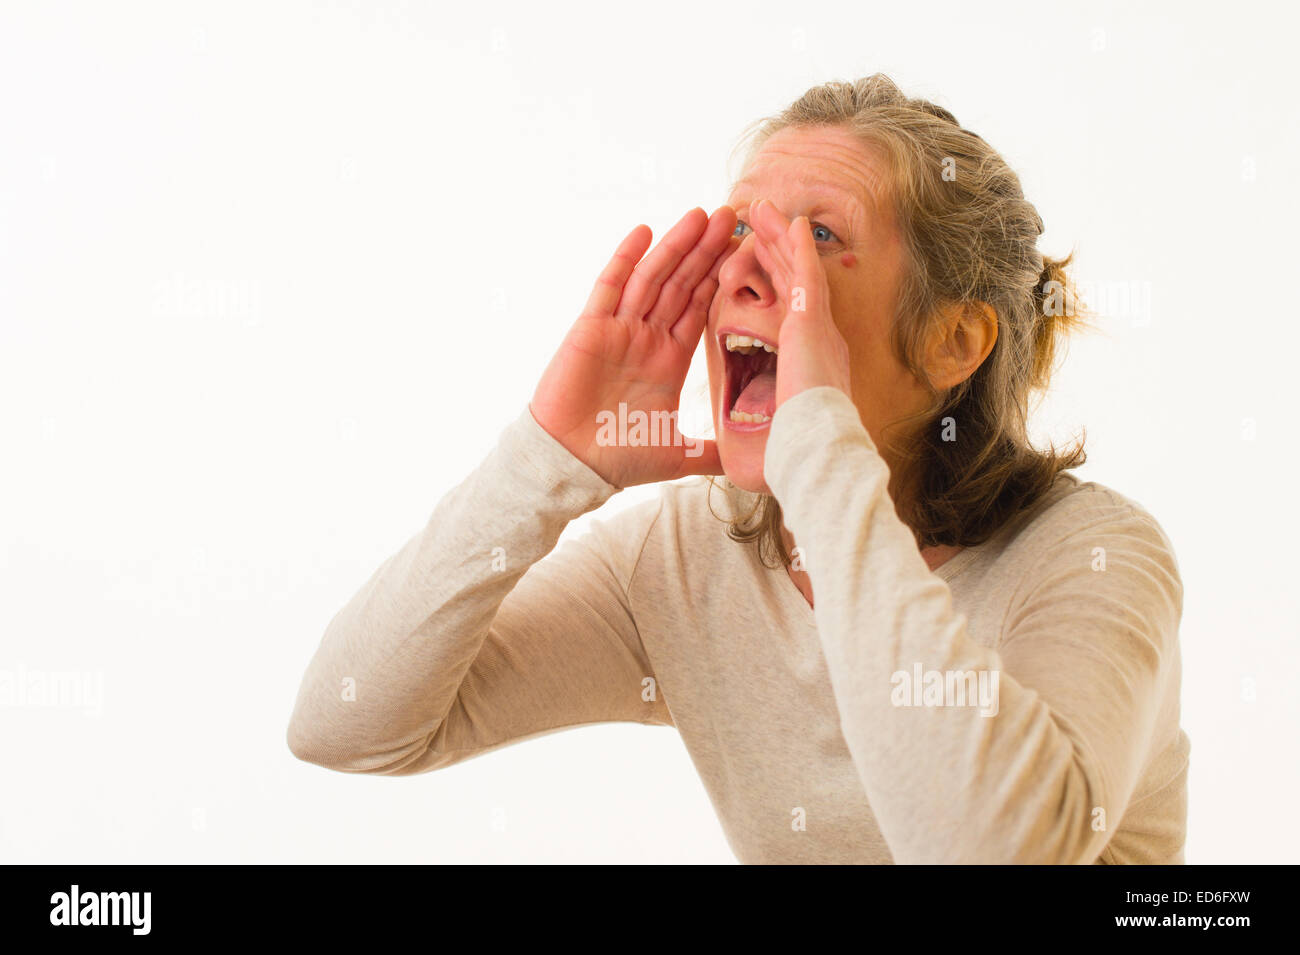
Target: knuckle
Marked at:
675, 283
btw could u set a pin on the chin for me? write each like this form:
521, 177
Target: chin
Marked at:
741, 452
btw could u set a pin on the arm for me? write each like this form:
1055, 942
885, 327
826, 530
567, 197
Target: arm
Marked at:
1082, 664
462, 642
456, 646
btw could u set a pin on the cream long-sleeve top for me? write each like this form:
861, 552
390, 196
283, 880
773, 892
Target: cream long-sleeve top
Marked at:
1018, 704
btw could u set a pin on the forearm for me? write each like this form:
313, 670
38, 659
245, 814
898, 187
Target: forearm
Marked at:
388, 669
999, 780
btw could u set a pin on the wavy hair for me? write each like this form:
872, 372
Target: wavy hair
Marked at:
969, 235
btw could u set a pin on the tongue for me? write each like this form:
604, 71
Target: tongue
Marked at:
759, 396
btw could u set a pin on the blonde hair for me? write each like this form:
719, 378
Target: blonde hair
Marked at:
969, 236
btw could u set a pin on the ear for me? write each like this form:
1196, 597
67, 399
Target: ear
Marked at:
962, 339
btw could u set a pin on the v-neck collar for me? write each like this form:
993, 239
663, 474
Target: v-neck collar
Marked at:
793, 598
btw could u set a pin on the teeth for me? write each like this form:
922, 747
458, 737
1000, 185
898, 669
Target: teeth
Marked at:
740, 417
747, 345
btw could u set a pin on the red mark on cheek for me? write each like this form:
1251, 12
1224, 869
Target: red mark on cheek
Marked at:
848, 260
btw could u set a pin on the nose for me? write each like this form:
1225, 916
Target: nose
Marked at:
742, 280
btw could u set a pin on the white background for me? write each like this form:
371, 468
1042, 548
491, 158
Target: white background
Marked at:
274, 276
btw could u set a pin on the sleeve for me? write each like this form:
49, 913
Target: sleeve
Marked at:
466, 640
1076, 682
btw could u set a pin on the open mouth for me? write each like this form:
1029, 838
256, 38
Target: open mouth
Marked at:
750, 382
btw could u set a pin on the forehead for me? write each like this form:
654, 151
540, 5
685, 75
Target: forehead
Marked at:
824, 161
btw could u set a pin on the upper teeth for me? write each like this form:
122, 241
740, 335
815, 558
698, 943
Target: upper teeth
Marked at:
746, 345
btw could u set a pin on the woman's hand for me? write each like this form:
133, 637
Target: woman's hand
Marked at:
632, 346
812, 350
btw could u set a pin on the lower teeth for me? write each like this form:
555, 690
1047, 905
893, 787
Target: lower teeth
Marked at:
740, 417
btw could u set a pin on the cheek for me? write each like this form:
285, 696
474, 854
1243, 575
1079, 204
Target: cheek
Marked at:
714, 365
712, 360
864, 320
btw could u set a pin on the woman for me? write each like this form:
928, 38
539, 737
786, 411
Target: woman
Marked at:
910, 637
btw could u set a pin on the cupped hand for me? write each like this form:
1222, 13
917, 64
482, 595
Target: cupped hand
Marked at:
812, 352
612, 392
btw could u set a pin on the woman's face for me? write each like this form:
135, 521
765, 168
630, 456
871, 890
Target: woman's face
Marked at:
826, 174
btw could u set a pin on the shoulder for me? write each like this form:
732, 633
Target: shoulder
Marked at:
679, 519
1076, 510
1088, 537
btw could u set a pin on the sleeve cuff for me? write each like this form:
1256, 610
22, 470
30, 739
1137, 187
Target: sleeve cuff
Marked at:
527, 454
811, 432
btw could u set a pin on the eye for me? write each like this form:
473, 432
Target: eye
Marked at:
819, 231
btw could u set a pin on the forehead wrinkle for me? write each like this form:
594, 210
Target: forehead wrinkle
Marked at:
865, 199
825, 198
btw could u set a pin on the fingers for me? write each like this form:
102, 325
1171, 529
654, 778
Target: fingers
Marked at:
679, 287
609, 285
772, 229
774, 267
785, 248
807, 266
643, 287
691, 321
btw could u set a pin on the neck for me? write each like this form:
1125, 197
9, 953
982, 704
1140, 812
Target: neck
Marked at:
934, 557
